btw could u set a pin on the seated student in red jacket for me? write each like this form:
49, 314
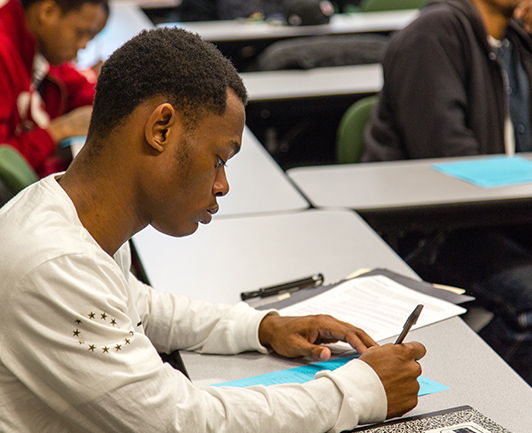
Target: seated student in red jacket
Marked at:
44, 98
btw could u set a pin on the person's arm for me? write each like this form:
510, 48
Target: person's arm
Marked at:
395, 364
72, 124
423, 106
80, 91
229, 329
79, 96
177, 322
77, 342
39, 143
34, 145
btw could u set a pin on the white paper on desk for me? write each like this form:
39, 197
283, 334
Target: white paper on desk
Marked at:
376, 304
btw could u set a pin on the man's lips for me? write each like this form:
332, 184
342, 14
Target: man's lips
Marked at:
210, 212
214, 209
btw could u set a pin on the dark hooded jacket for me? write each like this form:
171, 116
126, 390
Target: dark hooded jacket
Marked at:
443, 92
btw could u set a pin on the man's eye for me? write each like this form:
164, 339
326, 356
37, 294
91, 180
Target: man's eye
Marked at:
221, 162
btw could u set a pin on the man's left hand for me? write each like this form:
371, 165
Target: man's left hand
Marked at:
304, 336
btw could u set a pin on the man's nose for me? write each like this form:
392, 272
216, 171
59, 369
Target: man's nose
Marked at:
221, 185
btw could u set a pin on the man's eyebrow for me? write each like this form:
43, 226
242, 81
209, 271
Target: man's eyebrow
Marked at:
236, 147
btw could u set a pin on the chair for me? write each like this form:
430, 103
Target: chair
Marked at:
390, 5
322, 51
350, 134
15, 173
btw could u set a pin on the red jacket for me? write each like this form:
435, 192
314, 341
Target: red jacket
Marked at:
23, 123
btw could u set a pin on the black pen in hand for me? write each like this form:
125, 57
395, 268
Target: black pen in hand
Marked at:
411, 321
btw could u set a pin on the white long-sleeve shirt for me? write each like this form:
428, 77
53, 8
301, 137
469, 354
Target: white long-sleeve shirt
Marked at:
79, 337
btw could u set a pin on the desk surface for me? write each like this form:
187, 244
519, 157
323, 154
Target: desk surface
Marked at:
318, 82
239, 30
395, 195
230, 256
384, 185
456, 357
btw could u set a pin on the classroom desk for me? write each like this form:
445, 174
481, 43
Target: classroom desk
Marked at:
243, 30
233, 255
126, 20
313, 83
402, 196
158, 4
242, 40
456, 357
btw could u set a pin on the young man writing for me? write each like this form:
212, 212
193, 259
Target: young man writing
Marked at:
80, 334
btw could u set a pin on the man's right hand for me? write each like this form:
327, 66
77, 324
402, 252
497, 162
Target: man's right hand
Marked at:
397, 367
72, 124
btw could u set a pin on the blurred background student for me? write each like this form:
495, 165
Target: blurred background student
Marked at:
44, 98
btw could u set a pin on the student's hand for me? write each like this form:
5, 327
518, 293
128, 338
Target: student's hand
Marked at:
72, 124
523, 13
397, 367
303, 336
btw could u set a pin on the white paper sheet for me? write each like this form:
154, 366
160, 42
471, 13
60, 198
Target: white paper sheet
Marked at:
376, 304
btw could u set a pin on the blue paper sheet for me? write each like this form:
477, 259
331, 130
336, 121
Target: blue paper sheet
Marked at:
305, 373
490, 172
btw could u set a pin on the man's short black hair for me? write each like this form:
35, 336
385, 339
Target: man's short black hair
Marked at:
69, 5
170, 62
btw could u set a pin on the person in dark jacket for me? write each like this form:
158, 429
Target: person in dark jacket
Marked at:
457, 82
444, 84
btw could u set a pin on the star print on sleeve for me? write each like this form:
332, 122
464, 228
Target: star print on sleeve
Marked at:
81, 333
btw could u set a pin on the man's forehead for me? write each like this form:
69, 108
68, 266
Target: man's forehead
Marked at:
86, 11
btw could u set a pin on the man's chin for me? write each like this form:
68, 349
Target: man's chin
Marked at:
178, 233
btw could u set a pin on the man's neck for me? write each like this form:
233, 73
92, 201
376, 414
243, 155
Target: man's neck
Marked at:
495, 18
101, 207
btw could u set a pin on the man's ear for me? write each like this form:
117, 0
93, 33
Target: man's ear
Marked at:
161, 123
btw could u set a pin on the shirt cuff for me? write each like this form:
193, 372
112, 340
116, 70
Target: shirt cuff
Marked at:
364, 396
251, 320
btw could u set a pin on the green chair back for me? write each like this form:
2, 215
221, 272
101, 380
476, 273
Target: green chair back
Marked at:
350, 133
15, 172
390, 5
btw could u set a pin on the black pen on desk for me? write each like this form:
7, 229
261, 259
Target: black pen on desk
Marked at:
411, 321
290, 286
